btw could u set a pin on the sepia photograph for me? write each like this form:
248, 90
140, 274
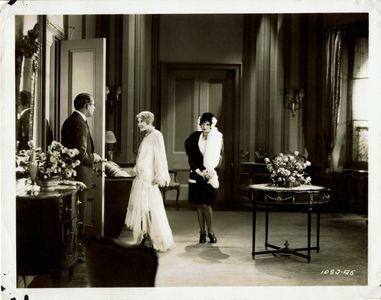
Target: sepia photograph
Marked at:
189, 151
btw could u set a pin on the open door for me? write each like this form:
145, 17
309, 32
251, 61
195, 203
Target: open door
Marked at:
83, 69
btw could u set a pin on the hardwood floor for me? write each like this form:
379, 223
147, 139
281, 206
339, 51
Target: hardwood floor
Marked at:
343, 242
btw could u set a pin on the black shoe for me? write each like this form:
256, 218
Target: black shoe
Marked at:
212, 238
146, 241
81, 253
202, 238
81, 258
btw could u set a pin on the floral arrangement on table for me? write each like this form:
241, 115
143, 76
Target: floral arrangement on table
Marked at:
57, 162
288, 170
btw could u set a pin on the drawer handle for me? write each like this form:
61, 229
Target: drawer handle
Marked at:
67, 209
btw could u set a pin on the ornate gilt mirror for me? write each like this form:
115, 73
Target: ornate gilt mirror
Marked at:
27, 57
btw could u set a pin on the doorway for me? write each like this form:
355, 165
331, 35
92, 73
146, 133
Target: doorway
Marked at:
187, 91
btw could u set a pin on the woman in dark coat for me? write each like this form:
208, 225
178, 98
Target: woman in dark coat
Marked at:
204, 148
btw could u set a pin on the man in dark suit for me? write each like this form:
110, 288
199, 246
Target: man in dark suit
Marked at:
23, 121
75, 133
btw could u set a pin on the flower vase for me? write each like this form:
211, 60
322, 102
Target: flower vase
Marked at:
285, 184
290, 184
33, 170
49, 183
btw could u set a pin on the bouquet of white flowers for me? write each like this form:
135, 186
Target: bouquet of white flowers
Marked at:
288, 170
58, 161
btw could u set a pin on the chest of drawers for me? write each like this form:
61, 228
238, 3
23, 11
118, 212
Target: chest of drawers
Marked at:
47, 230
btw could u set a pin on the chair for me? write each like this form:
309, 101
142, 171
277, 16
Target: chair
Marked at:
117, 193
251, 173
118, 185
173, 185
111, 263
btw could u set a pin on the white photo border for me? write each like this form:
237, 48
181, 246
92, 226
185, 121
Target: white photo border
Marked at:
7, 131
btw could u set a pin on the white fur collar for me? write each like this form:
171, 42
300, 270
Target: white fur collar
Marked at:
213, 148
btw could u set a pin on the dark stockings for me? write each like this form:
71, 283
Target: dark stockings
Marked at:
205, 214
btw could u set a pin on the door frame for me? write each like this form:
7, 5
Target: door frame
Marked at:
165, 67
94, 208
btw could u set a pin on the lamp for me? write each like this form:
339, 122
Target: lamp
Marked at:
110, 140
294, 100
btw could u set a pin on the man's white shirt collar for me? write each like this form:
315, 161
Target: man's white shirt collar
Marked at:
23, 112
82, 115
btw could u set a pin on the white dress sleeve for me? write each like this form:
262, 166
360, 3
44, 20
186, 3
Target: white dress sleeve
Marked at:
161, 174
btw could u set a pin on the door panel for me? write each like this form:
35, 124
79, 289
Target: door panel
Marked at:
189, 93
83, 71
182, 105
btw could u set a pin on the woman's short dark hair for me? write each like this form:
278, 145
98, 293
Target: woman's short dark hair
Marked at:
206, 117
81, 100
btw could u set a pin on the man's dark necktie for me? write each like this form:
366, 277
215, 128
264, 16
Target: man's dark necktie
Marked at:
91, 139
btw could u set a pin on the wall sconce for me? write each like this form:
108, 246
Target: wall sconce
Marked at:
69, 31
294, 100
110, 141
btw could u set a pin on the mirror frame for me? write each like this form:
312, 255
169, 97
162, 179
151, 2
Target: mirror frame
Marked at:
27, 58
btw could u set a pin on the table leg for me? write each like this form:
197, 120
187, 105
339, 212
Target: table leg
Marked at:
177, 199
309, 234
254, 229
267, 226
317, 229
82, 196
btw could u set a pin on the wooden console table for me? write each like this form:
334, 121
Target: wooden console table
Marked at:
47, 229
309, 196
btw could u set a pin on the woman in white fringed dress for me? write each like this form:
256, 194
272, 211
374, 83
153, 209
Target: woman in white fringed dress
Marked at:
146, 214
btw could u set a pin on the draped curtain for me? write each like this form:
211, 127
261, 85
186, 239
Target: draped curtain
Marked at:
332, 96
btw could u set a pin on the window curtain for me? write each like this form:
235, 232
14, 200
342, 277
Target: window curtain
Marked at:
332, 92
